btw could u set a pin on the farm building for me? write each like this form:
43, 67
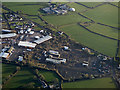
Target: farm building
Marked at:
56, 60
20, 58
11, 49
41, 40
4, 55
27, 44
54, 53
72, 9
8, 35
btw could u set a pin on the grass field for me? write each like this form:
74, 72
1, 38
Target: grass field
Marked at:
7, 70
78, 8
96, 42
106, 14
91, 4
25, 7
64, 19
95, 83
35, 19
107, 31
49, 76
24, 76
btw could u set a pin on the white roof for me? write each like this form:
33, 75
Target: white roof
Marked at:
20, 58
6, 30
56, 60
29, 29
37, 37
40, 40
53, 52
72, 9
8, 35
26, 44
4, 55
65, 47
31, 32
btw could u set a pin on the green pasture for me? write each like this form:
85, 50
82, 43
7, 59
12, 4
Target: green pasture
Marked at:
106, 14
7, 69
107, 31
91, 4
24, 76
49, 75
96, 42
25, 7
78, 8
64, 19
95, 83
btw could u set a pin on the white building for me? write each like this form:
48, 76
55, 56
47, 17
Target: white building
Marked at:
72, 9
4, 55
27, 44
20, 58
8, 35
41, 40
56, 60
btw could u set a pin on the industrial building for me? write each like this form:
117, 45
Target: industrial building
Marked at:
8, 35
45, 38
56, 60
27, 44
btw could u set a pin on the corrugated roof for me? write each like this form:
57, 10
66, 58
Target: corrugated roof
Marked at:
45, 38
26, 44
4, 55
8, 35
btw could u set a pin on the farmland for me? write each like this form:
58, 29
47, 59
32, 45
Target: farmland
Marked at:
49, 76
82, 30
24, 76
24, 7
7, 70
106, 14
65, 19
96, 83
96, 42
107, 31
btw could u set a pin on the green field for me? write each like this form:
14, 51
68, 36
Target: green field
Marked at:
25, 7
64, 19
95, 83
35, 19
24, 76
91, 4
78, 8
7, 70
107, 31
96, 42
49, 76
106, 14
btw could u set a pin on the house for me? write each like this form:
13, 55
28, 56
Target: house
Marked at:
56, 60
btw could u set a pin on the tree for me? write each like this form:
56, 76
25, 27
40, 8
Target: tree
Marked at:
18, 68
34, 77
42, 77
56, 81
36, 71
